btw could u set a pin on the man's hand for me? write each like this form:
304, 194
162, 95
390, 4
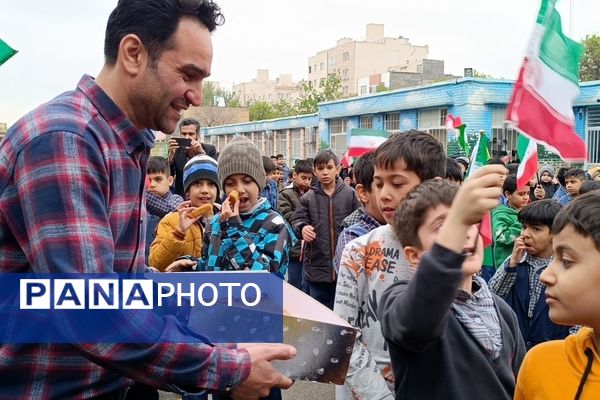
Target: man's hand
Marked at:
197, 148
173, 146
308, 233
263, 376
517, 253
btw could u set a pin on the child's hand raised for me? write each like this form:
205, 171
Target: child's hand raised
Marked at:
518, 252
185, 221
478, 195
227, 211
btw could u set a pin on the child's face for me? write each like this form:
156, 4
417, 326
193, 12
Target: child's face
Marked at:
302, 180
537, 239
246, 187
573, 184
326, 173
428, 233
202, 192
159, 183
519, 198
347, 181
546, 177
392, 186
572, 280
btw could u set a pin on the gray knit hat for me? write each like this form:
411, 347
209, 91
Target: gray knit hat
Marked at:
241, 156
549, 169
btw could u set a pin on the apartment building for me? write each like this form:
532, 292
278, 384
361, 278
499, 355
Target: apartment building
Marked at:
264, 89
360, 58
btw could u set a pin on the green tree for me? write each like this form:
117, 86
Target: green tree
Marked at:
589, 69
381, 88
283, 108
329, 89
260, 110
209, 91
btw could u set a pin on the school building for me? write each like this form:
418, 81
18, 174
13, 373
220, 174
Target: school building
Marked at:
481, 103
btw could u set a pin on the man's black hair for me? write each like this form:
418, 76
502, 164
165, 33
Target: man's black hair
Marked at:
577, 173
191, 121
582, 214
363, 170
510, 184
560, 175
155, 22
589, 186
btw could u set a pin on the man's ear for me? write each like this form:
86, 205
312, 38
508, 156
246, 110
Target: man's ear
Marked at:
361, 193
412, 255
133, 56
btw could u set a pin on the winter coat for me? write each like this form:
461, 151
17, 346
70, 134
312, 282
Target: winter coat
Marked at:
289, 200
325, 213
167, 247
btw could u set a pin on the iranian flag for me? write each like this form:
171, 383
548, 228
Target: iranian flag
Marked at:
528, 154
541, 106
455, 125
365, 140
481, 153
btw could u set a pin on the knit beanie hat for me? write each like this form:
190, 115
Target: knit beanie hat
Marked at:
549, 169
241, 156
200, 167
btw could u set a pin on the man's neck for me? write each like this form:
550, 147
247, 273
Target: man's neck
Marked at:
467, 284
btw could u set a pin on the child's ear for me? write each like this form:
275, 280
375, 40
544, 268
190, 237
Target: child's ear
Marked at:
412, 255
170, 180
361, 192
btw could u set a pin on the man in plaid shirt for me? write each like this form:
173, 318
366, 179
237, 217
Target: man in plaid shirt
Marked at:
72, 175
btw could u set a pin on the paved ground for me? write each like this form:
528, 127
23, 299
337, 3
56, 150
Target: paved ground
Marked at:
300, 391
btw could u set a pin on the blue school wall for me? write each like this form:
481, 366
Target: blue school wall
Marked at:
473, 99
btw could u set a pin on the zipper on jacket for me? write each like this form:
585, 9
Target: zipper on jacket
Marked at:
331, 239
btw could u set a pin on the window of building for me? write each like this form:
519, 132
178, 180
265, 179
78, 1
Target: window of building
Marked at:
282, 145
593, 134
345, 90
296, 144
338, 135
346, 56
363, 89
366, 121
504, 139
345, 74
259, 141
332, 61
321, 66
391, 121
433, 122
311, 141
309, 69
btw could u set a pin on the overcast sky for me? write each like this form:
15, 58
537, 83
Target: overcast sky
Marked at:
59, 40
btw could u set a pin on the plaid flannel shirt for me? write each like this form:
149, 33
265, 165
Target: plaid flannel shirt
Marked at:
162, 205
72, 175
365, 224
505, 277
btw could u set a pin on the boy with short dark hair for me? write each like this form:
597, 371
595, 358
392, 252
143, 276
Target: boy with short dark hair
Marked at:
570, 368
517, 280
371, 217
449, 337
318, 220
178, 233
270, 191
159, 199
505, 224
371, 263
248, 234
574, 178
453, 171
289, 200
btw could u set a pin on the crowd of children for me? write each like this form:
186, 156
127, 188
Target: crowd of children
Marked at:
398, 254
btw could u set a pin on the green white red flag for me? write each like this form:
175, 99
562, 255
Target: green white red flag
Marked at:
528, 154
365, 140
481, 153
541, 106
455, 125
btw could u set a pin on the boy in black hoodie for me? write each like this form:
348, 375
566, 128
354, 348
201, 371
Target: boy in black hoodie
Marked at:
318, 221
449, 336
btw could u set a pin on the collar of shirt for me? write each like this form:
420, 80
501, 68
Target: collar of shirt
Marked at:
538, 264
132, 137
369, 221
